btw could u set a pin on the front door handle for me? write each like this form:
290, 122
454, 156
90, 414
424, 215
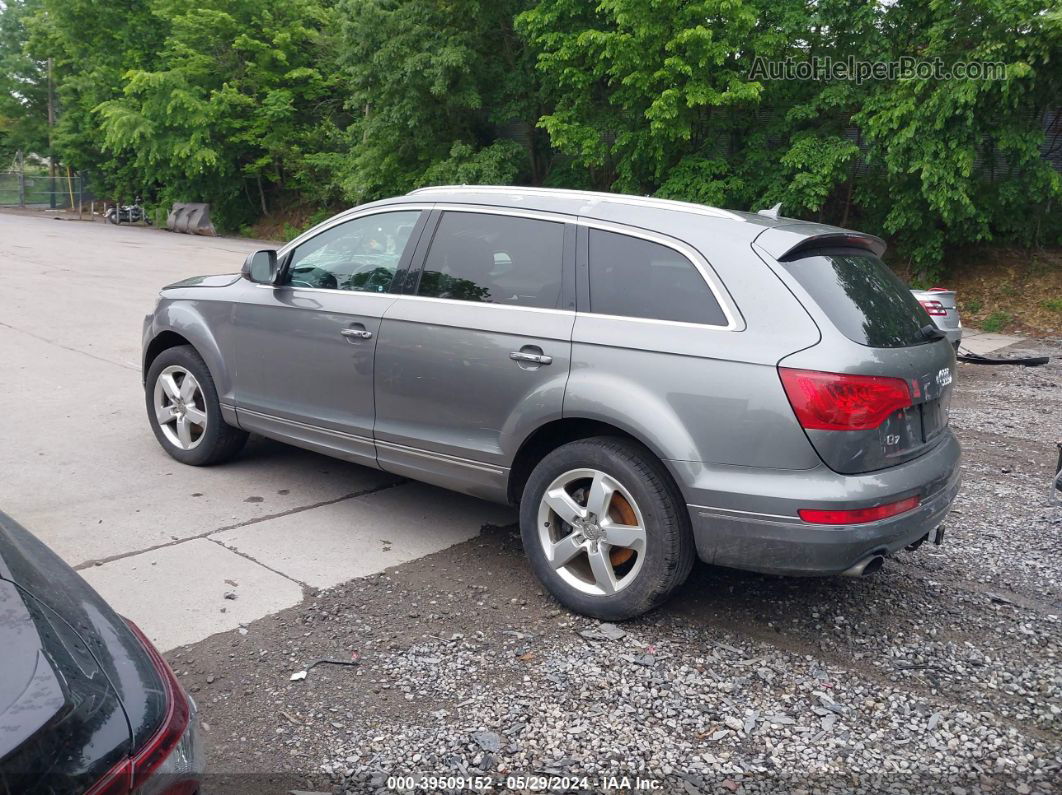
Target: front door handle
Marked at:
356, 333
531, 358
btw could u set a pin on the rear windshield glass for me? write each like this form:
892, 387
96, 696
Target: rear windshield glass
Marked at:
865, 300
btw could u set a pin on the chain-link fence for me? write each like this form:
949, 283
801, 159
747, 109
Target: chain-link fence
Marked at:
27, 189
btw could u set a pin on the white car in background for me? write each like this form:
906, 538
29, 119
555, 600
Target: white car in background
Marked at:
940, 304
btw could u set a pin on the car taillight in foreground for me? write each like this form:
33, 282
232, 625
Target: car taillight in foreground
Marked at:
169, 762
859, 515
934, 308
843, 402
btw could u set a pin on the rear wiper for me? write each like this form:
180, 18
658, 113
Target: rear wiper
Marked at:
931, 333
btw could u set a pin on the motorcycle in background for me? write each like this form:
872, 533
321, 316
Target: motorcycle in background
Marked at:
127, 214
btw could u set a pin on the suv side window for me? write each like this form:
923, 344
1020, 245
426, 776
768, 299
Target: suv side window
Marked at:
361, 254
499, 259
631, 277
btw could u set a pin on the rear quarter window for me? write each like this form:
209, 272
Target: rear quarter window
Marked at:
632, 277
862, 297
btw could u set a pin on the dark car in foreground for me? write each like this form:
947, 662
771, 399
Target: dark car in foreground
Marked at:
87, 704
650, 381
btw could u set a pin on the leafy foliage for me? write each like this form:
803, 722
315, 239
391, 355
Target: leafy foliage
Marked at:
961, 159
442, 90
23, 88
258, 106
234, 103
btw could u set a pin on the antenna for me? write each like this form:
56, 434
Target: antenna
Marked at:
771, 213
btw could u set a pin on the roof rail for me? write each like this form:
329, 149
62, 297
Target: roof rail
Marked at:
591, 196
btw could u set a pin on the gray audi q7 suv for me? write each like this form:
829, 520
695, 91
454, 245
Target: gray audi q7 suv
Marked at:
647, 379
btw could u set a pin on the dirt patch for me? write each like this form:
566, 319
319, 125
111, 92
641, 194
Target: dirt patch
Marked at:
1007, 289
289, 222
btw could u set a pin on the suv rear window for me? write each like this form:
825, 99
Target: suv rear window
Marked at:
862, 297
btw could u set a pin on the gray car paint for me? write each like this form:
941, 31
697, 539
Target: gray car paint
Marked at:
700, 393
447, 405
453, 407
298, 375
852, 452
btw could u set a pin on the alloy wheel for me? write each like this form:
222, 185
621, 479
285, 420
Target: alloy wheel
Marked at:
180, 407
592, 531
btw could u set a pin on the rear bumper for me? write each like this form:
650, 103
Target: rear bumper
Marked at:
951, 325
755, 526
954, 335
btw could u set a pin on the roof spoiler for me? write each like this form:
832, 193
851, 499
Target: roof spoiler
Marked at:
793, 241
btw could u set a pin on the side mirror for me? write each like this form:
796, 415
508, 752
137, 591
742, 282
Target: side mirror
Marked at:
260, 267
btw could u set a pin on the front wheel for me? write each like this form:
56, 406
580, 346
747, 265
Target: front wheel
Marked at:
605, 528
184, 412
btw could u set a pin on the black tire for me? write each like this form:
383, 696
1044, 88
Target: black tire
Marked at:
219, 441
669, 549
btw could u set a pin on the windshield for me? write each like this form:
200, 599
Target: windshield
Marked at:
862, 297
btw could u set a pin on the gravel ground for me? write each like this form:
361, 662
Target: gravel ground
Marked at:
942, 672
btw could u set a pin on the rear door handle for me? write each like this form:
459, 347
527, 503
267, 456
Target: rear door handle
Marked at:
532, 358
356, 333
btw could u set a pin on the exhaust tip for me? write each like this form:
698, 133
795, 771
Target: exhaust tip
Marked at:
868, 565
873, 564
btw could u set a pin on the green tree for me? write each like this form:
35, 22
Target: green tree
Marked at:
23, 86
443, 90
91, 45
959, 161
637, 86
236, 108
256, 106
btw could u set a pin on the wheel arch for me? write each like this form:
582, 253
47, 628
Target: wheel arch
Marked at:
551, 435
188, 323
162, 341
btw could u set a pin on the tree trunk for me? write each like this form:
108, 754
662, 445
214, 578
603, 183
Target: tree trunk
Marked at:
851, 179
261, 195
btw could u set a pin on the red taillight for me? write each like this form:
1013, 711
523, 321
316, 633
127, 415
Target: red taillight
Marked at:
859, 515
133, 773
840, 402
117, 781
934, 308
175, 723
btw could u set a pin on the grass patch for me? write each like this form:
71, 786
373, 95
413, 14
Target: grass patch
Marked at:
997, 321
1054, 304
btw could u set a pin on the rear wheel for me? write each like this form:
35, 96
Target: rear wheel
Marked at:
605, 528
184, 412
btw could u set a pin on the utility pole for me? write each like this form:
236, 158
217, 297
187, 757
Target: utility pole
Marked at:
51, 126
